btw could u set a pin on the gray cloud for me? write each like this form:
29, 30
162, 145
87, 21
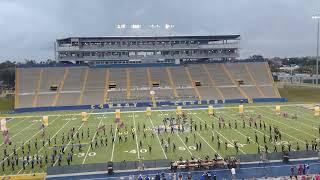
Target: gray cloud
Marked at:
28, 28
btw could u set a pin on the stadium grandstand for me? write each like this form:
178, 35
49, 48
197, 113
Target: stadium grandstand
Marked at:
144, 71
162, 107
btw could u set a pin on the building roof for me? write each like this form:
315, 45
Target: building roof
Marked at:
217, 37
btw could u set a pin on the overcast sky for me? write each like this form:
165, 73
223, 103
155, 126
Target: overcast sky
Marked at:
282, 28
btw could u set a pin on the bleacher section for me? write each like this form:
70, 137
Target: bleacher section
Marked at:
95, 86
139, 86
84, 85
182, 83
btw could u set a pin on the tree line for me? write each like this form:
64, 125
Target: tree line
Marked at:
7, 71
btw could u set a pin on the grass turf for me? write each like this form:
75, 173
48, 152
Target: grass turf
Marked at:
6, 103
27, 129
300, 93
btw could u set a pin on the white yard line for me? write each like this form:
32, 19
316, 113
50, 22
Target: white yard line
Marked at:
173, 109
304, 114
287, 135
70, 140
113, 143
245, 135
288, 125
297, 121
219, 133
181, 140
50, 140
18, 132
74, 135
135, 130
17, 123
267, 135
311, 115
27, 141
95, 134
209, 144
184, 144
158, 139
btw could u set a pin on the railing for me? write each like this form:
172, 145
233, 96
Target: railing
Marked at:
149, 47
124, 57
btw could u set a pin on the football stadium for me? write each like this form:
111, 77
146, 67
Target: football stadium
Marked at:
129, 107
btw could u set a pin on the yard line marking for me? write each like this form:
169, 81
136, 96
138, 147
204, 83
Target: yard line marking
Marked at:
218, 132
306, 119
125, 112
245, 135
50, 140
26, 142
230, 142
181, 140
288, 125
135, 131
299, 121
284, 134
73, 136
18, 133
91, 141
208, 144
311, 115
184, 144
16, 124
289, 136
257, 130
113, 144
158, 139
70, 141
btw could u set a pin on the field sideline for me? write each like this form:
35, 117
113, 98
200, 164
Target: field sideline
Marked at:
136, 142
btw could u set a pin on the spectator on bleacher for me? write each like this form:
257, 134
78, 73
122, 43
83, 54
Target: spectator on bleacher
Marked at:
209, 175
189, 176
147, 178
204, 176
157, 177
180, 177
307, 169
163, 176
292, 171
214, 176
140, 177
299, 169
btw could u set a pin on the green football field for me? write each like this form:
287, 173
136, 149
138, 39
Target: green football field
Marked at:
140, 135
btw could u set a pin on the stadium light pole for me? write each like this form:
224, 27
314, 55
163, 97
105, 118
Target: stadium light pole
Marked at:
317, 17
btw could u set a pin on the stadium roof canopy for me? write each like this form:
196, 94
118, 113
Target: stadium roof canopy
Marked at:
219, 37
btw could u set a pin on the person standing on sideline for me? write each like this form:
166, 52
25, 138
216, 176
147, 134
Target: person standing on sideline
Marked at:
233, 173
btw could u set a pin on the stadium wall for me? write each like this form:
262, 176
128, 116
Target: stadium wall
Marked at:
147, 104
128, 65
